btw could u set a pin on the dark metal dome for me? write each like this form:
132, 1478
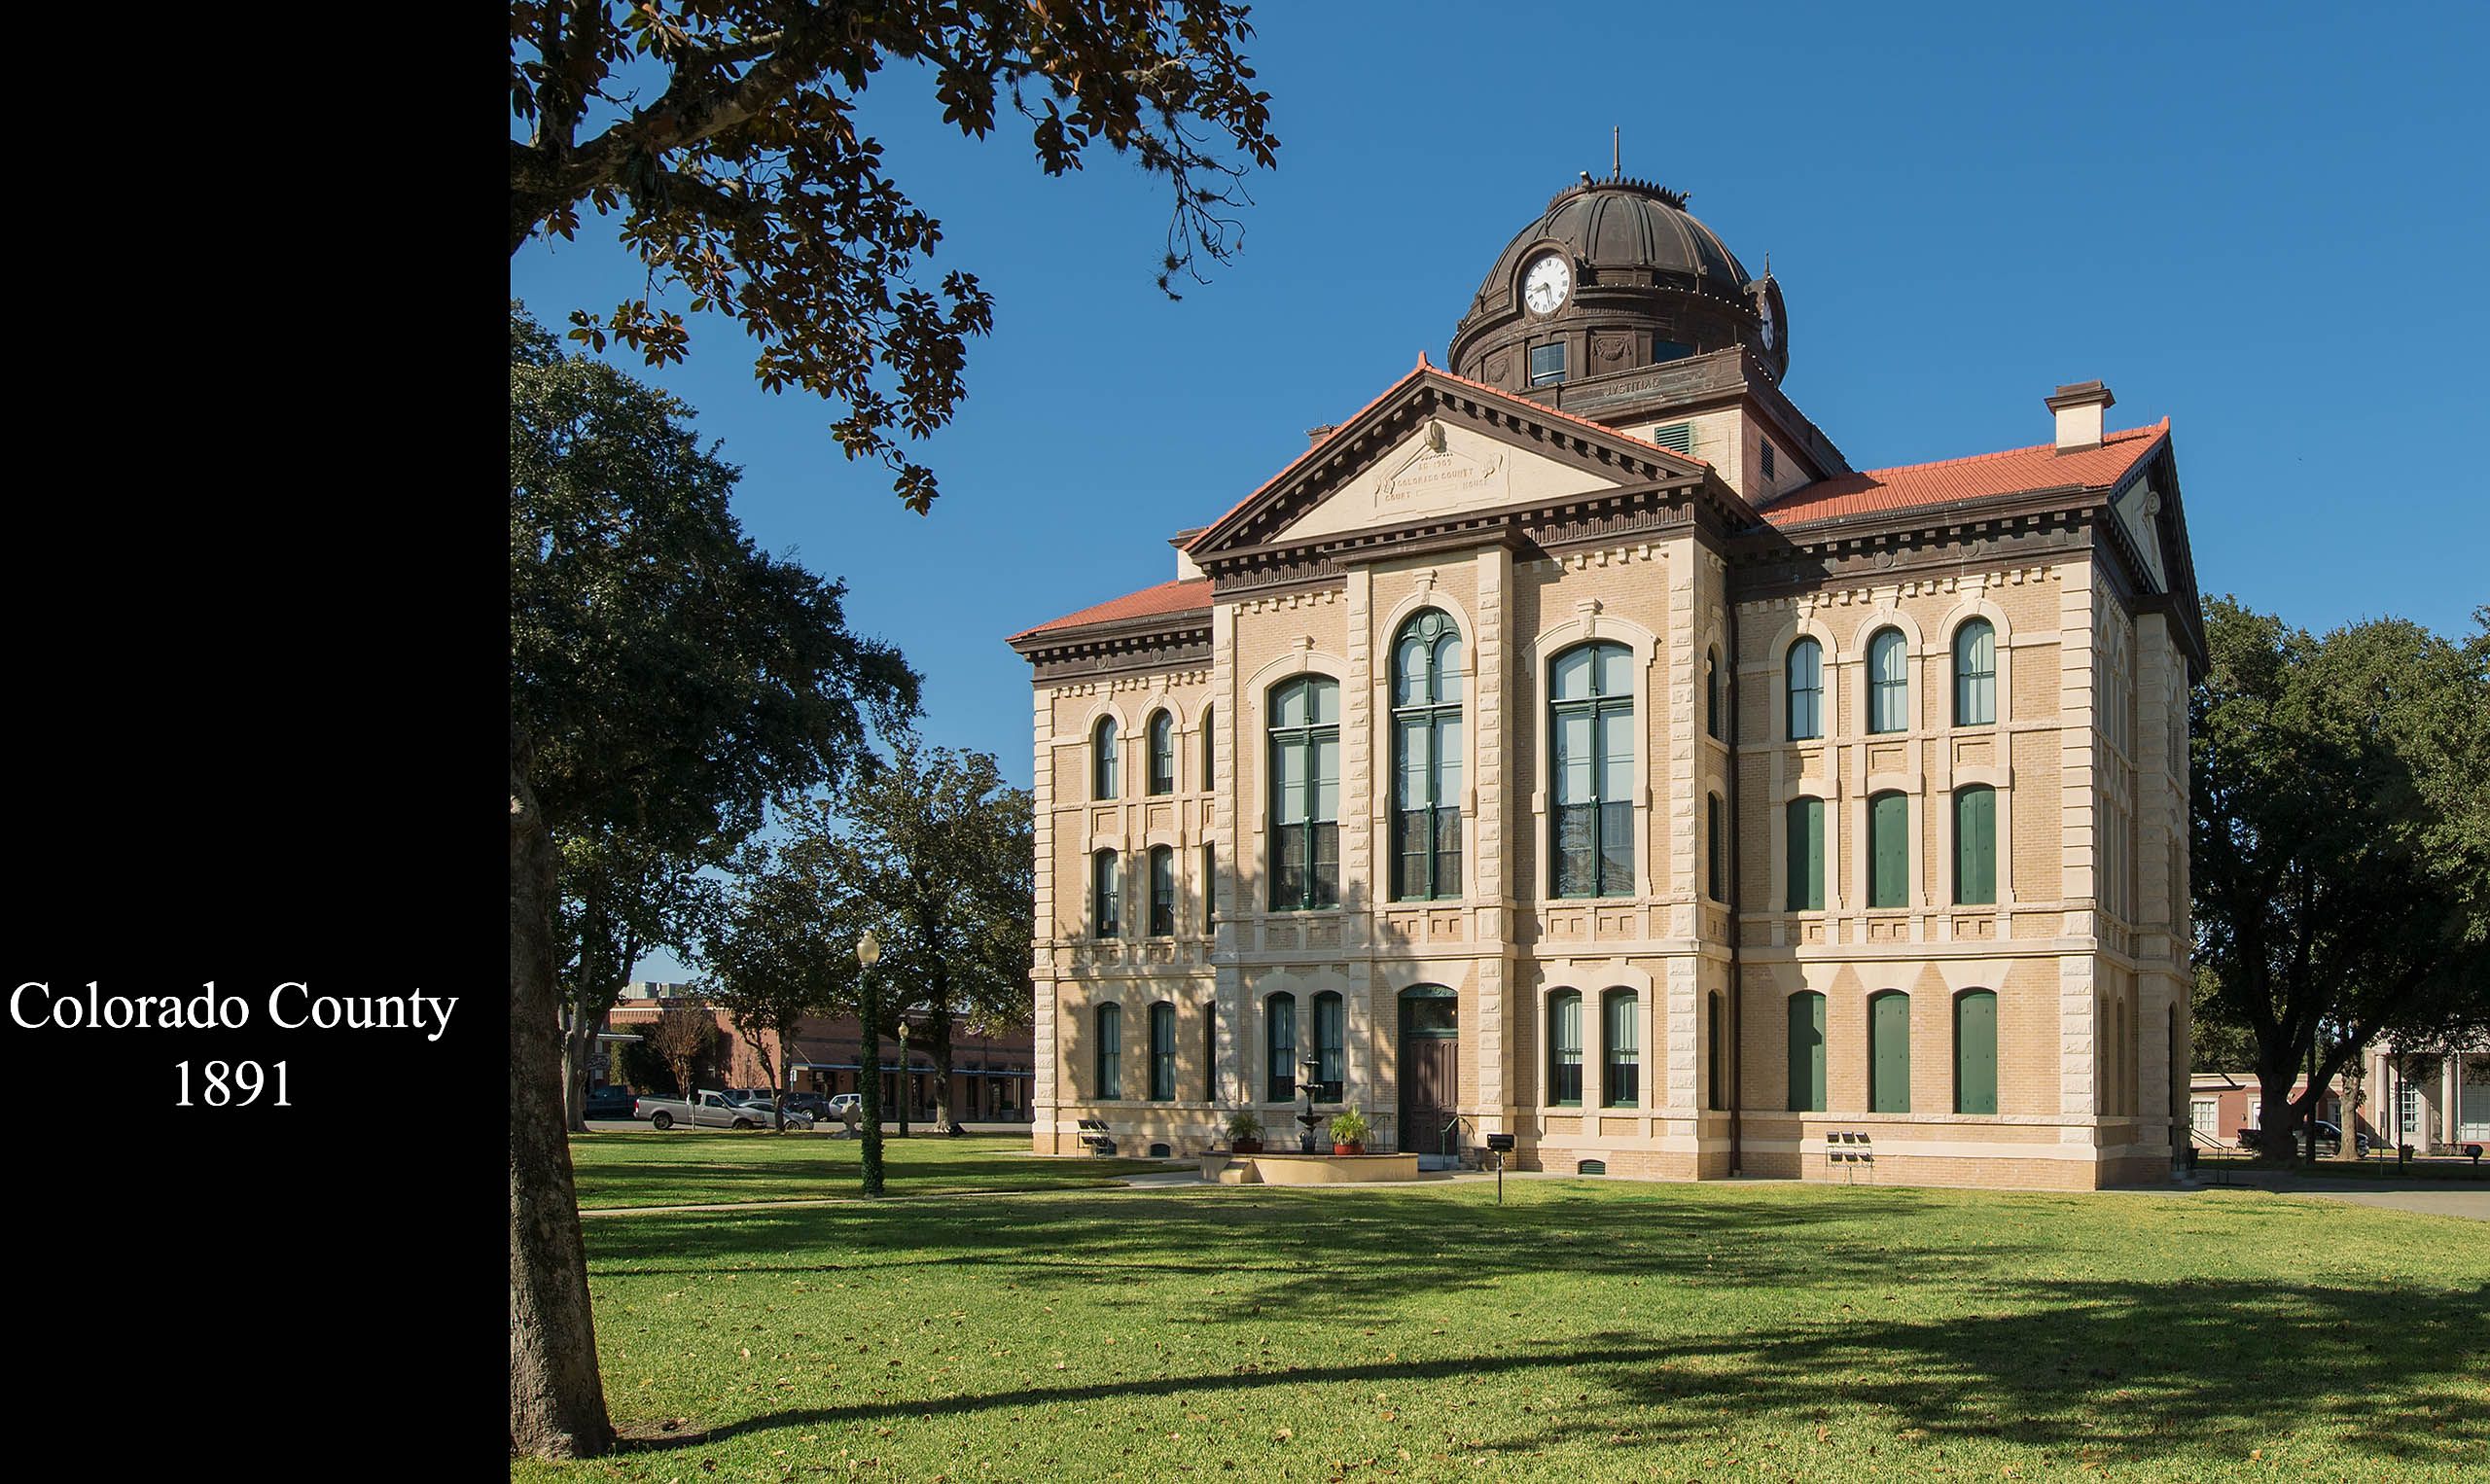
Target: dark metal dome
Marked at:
1622, 227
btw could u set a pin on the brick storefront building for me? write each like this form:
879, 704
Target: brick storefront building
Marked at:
1572, 744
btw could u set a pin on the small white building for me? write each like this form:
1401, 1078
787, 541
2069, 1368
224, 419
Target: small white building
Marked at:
2431, 1099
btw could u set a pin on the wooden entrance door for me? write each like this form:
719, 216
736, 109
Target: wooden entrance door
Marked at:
1430, 1069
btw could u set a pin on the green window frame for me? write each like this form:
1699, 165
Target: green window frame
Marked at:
1111, 1052
1803, 819
1888, 682
1162, 1052
1548, 364
1714, 870
1889, 850
1620, 1084
1976, 674
1306, 794
1803, 689
1807, 1051
1590, 722
1712, 694
1106, 889
1565, 1048
1975, 1052
1976, 845
1104, 777
1426, 758
1210, 885
1889, 1052
1279, 1048
1330, 1042
1162, 891
1210, 750
1715, 1091
1163, 754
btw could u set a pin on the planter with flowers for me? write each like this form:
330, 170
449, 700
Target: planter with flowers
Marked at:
1244, 1133
1348, 1133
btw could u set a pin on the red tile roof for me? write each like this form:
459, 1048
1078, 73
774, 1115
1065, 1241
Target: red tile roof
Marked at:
1182, 595
1948, 480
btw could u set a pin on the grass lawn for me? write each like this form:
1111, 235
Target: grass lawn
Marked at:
1589, 1329
714, 1166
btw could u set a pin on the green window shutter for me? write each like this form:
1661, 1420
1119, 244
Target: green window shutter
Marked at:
1807, 845
1888, 1053
1976, 1052
1807, 1053
1678, 436
1888, 851
1975, 846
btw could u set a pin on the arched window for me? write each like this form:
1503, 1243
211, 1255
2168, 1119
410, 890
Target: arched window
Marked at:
1887, 683
1306, 794
1279, 1048
1330, 1040
1592, 762
1163, 754
1807, 1053
1565, 1048
1102, 759
1805, 833
1975, 1052
1806, 689
1105, 889
1715, 874
1889, 1052
1712, 694
1210, 750
1426, 741
1888, 851
1111, 1051
1210, 886
1716, 1089
1162, 1052
1162, 891
1974, 674
1620, 1081
1975, 844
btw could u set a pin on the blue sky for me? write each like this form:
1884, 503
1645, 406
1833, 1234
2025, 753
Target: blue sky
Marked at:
2271, 232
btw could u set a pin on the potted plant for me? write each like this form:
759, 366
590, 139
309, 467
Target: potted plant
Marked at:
1244, 1133
1348, 1133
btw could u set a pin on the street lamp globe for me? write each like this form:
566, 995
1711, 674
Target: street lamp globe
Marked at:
868, 949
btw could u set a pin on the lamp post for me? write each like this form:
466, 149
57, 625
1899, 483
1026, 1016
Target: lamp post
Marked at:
906, 1078
869, 952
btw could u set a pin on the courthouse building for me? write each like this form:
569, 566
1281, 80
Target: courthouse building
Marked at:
1572, 744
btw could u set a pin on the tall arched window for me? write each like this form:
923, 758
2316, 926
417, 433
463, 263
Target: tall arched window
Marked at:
1162, 1052
1621, 1050
1163, 754
1974, 674
1715, 855
1105, 889
1111, 1051
1162, 891
1279, 1048
1426, 743
1102, 759
1210, 751
1565, 1048
1806, 689
1887, 683
1715, 1085
1975, 844
1306, 794
1330, 1042
1712, 694
1591, 763
1806, 842
1806, 1052
1888, 851
1975, 1052
1889, 1052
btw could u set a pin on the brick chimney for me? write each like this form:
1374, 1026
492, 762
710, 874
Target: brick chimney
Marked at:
2079, 408
1186, 566
1315, 436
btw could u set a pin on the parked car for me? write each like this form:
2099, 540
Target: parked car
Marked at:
841, 1102
2329, 1140
767, 1111
610, 1103
709, 1110
812, 1103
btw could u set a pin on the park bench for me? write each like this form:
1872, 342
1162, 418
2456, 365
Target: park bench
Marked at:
1095, 1137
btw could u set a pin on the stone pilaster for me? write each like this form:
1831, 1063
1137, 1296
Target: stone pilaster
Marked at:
1227, 988
2080, 1034
1490, 887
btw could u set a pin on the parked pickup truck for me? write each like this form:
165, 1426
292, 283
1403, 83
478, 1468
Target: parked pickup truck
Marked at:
708, 1110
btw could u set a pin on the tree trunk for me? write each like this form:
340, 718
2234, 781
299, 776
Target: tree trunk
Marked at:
2349, 1117
557, 1397
2278, 1127
939, 1025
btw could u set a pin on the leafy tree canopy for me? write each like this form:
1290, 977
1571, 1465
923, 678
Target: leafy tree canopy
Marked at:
724, 132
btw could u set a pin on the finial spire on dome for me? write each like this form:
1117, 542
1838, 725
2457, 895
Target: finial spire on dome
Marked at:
1616, 152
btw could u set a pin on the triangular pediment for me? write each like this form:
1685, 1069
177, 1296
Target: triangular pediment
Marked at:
1436, 446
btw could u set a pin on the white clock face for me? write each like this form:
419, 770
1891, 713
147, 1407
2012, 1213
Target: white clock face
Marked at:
1768, 331
1548, 283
